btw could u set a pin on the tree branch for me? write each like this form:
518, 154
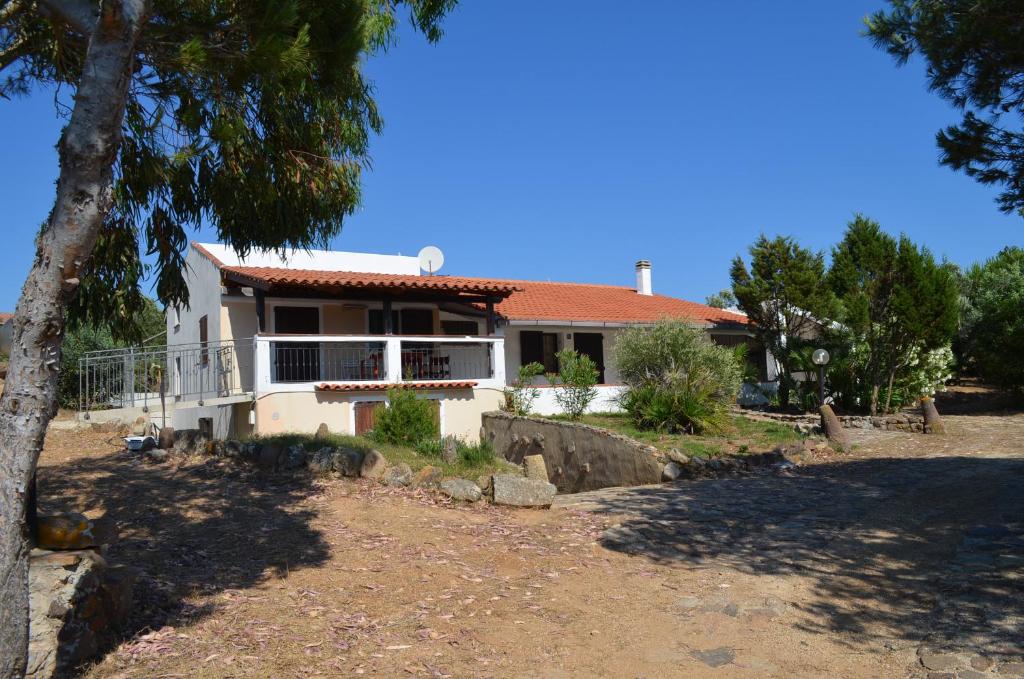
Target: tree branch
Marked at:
79, 14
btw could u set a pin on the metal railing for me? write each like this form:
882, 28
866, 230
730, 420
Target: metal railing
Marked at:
373, 358
136, 376
446, 361
327, 361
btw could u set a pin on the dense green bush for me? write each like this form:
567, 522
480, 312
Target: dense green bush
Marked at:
992, 324
577, 374
678, 379
406, 421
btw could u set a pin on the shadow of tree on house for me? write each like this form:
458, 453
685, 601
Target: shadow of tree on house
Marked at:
920, 549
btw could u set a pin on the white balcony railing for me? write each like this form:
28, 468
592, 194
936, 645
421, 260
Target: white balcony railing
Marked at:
298, 362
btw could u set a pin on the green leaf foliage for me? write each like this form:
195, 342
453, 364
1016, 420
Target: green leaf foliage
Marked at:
254, 116
406, 421
994, 320
975, 59
678, 379
784, 294
577, 374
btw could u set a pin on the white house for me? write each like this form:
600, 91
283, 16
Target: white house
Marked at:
273, 343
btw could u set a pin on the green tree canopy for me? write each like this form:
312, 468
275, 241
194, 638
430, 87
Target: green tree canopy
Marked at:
975, 59
723, 299
994, 318
895, 300
784, 294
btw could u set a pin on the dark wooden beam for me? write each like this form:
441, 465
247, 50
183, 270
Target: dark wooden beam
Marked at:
261, 309
490, 317
388, 325
244, 281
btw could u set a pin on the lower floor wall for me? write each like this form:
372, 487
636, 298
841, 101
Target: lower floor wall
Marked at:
228, 421
304, 412
607, 400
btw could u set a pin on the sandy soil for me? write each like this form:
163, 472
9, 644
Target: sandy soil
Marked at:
830, 571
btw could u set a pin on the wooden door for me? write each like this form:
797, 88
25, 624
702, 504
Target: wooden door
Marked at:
366, 412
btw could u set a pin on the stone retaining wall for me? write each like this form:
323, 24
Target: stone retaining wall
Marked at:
909, 421
578, 456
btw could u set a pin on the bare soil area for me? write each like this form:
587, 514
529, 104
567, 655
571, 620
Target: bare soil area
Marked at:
843, 567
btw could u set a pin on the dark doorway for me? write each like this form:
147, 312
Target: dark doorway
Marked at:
592, 344
296, 361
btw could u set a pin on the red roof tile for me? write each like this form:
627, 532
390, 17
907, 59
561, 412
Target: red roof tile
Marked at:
348, 279
5, 316
577, 302
379, 386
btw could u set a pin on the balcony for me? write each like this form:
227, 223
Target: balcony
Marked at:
299, 362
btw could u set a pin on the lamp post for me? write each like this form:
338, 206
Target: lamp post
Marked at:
820, 358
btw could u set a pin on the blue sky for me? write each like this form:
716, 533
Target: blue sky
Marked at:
566, 140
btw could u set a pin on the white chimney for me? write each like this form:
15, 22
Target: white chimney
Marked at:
643, 277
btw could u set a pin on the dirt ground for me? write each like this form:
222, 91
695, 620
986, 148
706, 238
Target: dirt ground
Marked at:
843, 567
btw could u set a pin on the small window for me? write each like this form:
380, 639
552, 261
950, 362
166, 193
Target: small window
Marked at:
539, 347
204, 337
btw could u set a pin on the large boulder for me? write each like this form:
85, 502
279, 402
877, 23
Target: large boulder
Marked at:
269, 456
400, 475
374, 465
348, 461
321, 461
165, 439
293, 458
519, 491
461, 489
449, 450
673, 470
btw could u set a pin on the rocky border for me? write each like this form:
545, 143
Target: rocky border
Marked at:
906, 421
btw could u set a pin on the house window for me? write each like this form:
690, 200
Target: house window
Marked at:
375, 321
471, 328
417, 322
539, 347
204, 337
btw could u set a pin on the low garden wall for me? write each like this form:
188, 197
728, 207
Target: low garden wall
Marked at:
578, 456
908, 421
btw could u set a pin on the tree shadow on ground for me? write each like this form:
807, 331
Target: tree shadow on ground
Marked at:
190, 529
918, 549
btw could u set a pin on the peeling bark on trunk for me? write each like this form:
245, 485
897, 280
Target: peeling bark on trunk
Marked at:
87, 150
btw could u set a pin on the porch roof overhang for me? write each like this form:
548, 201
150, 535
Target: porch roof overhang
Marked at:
301, 282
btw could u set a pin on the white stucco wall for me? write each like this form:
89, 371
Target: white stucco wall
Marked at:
203, 281
319, 260
513, 347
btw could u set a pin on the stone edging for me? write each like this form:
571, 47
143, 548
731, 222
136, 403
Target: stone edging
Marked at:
908, 421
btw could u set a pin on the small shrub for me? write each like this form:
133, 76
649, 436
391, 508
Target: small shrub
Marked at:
430, 447
576, 377
470, 454
678, 379
520, 395
406, 421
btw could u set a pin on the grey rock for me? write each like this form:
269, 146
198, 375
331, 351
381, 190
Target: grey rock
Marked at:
461, 489
677, 456
673, 470
348, 461
534, 467
322, 432
374, 465
933, 660
293, 458
427, 477
522, 492
981, 663
1013, 669
269, 455
321, 461
399, 475
715, 657
449, 450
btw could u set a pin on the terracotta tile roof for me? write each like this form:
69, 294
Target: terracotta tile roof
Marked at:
382, 386
577, 302
5, 316
274, 276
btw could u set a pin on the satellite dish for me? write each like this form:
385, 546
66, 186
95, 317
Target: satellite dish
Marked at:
431, 259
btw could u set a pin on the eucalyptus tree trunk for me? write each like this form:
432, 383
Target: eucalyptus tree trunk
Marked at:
87, 150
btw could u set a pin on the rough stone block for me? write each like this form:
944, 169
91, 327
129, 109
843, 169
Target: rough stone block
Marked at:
461, 489
535, 468
673, 470
348, 461
165, 439
399, 475
519, 491
428, 477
